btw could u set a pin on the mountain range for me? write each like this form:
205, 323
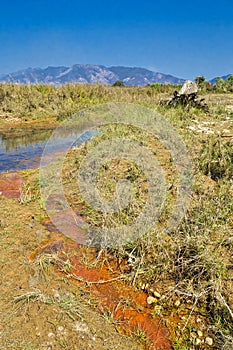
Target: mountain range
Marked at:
92, 74
89, 74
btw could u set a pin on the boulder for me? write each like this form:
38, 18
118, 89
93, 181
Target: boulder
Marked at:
189, 87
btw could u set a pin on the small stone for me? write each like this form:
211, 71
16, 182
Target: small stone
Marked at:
81, 327
156, 294
60, 328
209, 341
198, 320
151, 300
50, 335
198, 341
177, 303
144, 286
200, 334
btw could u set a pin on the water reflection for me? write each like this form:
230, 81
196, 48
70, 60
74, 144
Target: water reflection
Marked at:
15, 142
24, 152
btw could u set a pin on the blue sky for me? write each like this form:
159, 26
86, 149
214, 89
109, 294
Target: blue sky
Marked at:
183, 38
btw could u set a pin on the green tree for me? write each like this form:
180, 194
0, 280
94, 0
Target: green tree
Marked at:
229, 80
118, 83
220, 84
200, 80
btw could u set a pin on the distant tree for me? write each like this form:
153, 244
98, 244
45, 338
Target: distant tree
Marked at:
200, 80
118, 83
229, 80
221, 84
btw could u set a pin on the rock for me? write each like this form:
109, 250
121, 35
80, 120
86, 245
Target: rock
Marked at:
209, 341
177, 303
198, 341
200, 334
151, 300
187, 97
189, 87
51, 335
81, 327
156, 294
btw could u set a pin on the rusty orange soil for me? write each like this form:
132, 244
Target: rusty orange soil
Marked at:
126, 305
11, 184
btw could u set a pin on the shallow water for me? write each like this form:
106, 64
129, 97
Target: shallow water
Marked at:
25, 151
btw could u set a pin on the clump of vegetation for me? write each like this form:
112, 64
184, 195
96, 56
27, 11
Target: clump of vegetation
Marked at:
27, 102
224, 85
118, 83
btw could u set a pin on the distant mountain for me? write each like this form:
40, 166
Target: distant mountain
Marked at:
89, 74
213, 81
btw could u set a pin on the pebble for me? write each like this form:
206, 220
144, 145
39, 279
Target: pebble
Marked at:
209, 341
200, 334
151, 300
198, 341
60, 328
157, 295
50, 335
177, 303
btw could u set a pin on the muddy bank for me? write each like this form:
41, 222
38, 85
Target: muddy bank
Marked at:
11, 185
18, 128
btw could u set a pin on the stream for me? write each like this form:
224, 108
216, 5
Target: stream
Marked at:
25, 151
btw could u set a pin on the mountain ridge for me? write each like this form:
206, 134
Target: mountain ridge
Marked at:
89, 74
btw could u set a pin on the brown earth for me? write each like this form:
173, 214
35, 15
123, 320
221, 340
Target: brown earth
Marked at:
40, 309
16, 126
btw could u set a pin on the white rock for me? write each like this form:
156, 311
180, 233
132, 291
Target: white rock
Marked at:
151, 300
156, 294
200, 334
209, 341
81, 327
198, 341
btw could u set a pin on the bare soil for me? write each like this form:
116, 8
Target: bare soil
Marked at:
44, 310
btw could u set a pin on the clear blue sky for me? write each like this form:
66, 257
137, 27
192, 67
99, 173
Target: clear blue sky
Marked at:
183, 38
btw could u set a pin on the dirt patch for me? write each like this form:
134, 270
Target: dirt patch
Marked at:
38, 308
127, 306
11, 184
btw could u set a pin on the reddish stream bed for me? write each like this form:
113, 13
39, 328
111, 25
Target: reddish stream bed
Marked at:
104, 281
127, 306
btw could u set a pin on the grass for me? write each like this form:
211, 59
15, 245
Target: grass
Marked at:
35, 102
194, 261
